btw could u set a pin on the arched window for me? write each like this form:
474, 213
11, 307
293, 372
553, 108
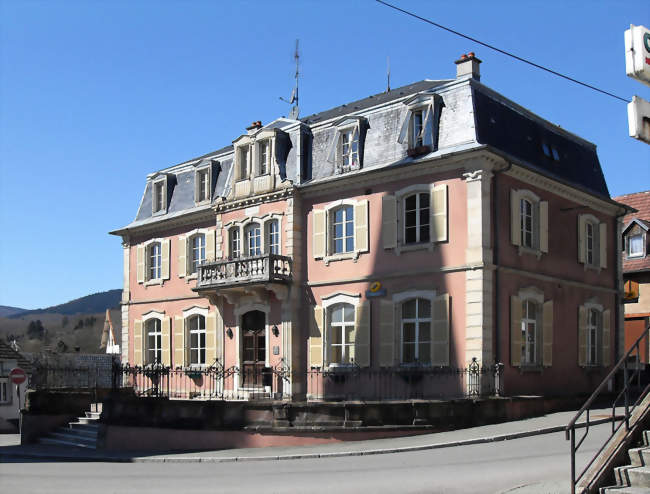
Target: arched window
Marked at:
154, 341
273, 236
235, 243
530, 347
594, 331
416, 218
253, 239
416, 331
154, 261
197, 252
196, 328
527, 218
341, 333
342, 224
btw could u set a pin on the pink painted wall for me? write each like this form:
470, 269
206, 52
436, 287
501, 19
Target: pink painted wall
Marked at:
561, 261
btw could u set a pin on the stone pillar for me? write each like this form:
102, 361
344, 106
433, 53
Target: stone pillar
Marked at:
479, 297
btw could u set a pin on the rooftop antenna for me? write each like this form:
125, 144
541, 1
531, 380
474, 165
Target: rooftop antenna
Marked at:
295, 110
388, 73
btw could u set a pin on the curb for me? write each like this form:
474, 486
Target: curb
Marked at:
305, 456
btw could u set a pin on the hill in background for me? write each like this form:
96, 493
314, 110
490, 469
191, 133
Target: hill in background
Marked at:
90, 304
6, 310
74, 326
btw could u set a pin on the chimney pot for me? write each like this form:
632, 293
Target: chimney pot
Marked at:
467, 67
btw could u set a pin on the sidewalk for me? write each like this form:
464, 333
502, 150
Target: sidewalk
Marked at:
11, 450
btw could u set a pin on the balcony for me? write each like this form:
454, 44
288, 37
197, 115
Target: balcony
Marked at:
244, 271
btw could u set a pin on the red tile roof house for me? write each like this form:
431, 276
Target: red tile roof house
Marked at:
404, 234
635, 254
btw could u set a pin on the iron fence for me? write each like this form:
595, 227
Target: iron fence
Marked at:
403, 383
61, 378
215, 382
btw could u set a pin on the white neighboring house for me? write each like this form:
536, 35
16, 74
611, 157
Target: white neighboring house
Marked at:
9, 403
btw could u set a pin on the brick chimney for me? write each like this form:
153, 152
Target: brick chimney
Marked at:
467, 67
254, 126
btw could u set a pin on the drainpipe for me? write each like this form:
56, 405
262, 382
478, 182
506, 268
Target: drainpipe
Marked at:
495, 222
617, 297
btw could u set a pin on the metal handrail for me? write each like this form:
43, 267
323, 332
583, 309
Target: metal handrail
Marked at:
570, 430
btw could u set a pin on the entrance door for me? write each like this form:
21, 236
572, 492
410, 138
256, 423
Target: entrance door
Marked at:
253, 348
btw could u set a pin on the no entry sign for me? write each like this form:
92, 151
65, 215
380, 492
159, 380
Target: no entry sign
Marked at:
17, 375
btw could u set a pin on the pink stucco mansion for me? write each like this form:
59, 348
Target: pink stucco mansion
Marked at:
418, 228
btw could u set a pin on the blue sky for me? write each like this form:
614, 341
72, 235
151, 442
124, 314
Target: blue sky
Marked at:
95, 94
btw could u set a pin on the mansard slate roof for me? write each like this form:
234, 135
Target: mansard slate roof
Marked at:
377, 99
489, 119
521, 134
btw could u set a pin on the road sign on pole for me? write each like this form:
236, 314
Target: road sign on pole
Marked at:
638, 116
17, 376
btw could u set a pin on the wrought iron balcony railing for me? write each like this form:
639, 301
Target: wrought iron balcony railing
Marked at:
263, 268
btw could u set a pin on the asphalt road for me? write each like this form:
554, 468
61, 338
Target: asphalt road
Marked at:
537, 464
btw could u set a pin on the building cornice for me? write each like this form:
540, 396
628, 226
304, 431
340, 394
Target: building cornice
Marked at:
565, 191
234, 204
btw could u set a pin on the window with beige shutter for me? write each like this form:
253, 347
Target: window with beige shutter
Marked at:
340, 230
416, 216
594, 338
529, 229
531, 329
315, 340
386, 333
592, 241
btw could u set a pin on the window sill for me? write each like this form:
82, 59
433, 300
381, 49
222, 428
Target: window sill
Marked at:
203, 202
342, 257
413, 247
418, 151
159, 213
190, 277
157, 281
336, 367
592, 367
530, 251
531, 369
592, 267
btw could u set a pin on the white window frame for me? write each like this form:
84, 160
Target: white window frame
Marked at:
640, 253
345, 209
346, 160
261, 163
6, 391
400, 197
593, 222
242, 168
152, 317
234, 242
206, 172
536, 296
590, 307
241, 226
418, 225
398, 300
417, 320
417, 140
525, 332
159, 196
269, 236
330, 209
329, 302
148, 246
249, 228
534, 200
191, 259
199, 332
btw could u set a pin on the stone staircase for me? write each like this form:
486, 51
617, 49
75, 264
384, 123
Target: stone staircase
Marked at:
81, 433
633, 478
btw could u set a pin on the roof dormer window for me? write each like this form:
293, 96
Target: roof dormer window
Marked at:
263, 157
242, 162
202, 192
635, 245
420, 125
159, 196
346, 150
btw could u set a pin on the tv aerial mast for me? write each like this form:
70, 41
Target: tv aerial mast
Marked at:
293, 99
